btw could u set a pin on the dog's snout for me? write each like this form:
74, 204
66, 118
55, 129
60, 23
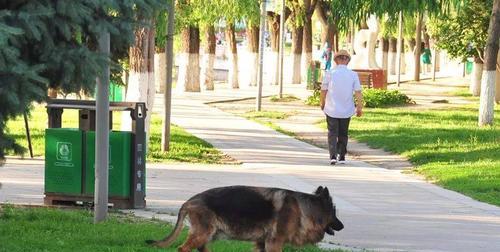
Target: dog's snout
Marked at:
337, 225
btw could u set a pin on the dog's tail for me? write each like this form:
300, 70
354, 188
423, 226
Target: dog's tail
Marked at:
167, 241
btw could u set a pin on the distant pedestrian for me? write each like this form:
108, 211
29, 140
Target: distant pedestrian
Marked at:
336, 101
426, 58
327, 56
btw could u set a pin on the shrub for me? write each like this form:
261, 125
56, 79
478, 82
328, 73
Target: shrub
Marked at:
378, 98
313, 100
373, 98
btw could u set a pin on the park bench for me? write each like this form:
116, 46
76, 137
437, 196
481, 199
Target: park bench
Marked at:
365, 78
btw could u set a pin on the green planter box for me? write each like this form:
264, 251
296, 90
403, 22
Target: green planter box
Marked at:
119, 163
63, 160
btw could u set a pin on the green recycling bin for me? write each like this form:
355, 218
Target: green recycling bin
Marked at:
63, 160
120, 143
115, 92
313, 75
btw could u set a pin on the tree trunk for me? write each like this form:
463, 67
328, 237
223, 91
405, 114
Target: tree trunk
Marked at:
384, 44
393, 45
253, 51
209, 59
274, 28
141, 83
233, 58
52, 93
497, 95
307, 45
403, 57
487, 99
477, 72
297, 35
409, 59
418, 47
328, 29
189, 65
160, 70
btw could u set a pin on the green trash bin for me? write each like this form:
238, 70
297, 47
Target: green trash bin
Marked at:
115, 92
63, 161
313, 75
119, 163
468, 67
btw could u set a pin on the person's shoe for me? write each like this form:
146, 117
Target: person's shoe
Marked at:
341, 159
333, 161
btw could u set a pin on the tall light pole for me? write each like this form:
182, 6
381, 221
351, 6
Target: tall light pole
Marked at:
102, 136
261, 54
282, 47
167, 102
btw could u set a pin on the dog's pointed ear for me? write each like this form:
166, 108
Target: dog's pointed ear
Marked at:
325, 193
319, 190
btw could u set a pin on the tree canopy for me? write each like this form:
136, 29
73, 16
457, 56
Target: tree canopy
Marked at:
463, 32
52, 43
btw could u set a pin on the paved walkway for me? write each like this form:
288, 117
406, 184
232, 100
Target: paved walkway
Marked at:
383, 210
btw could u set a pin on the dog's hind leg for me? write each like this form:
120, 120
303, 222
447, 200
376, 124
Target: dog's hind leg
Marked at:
194, 241
203, 249
202, 230
260, 246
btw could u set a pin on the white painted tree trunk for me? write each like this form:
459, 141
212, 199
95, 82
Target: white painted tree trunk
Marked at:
233, 70
487, 99
306, 61
141, 88
207, 73
189, 73
254, 63
392, 63
438, 59
296, 78
150, 102
274, 64
160, 70
385, 59
497, 89
475, 82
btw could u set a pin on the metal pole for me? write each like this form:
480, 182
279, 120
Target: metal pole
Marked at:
282, 47
261, 53
169, 49
102, 136
400, 41
28, 135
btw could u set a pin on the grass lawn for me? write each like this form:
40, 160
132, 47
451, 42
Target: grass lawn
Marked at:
285, 98
266, 117
445, 145
42, 229
184, 147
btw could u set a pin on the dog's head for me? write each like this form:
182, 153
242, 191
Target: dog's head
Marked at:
334, 224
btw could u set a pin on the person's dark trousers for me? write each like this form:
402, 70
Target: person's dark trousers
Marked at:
337, 136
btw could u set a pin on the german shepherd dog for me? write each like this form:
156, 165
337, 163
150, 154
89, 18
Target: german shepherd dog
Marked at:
270, 217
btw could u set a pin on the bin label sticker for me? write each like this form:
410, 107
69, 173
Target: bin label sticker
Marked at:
64, 154
64, 151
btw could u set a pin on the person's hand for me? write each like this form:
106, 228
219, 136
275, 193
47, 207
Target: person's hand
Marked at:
359, 111
322, 106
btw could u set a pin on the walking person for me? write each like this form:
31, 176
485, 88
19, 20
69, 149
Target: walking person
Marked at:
326, 56
426, 58
336, 100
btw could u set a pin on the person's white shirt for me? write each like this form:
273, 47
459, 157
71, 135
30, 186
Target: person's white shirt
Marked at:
341, 83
